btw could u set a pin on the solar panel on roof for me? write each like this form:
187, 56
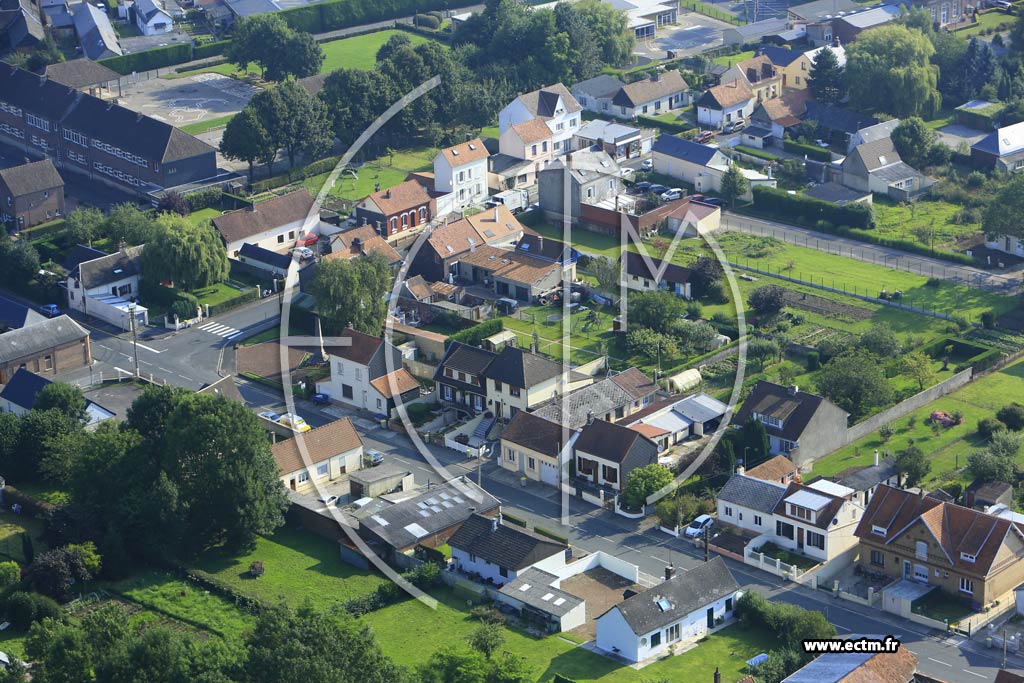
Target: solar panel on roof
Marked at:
458, 499
435, 508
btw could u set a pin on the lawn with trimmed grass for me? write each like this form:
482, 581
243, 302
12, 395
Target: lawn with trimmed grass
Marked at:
584, 240
490, 132
365, 181
298, 566
203, 215
226, 69
988, 20
12, 527
266, 335
208, 125
360, 52
215, 294
729, 60
929, 223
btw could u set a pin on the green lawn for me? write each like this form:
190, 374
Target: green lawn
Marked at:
11, 528
586, 335
203, 215
41, 490
264, 336
490, 132
360, 52
161, 592
299, 566
944, 117
988, 20
215, 294
947, 448
584, 240
226, 69
729, 60
354, 188
206, 126
930, 223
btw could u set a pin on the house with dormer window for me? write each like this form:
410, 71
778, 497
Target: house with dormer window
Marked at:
461, 171
964, 552
554, 106
800, 425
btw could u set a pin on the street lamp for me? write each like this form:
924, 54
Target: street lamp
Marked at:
135, 340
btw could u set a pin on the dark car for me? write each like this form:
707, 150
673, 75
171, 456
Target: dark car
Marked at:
657, 189
715, 201
642, 187
321, 399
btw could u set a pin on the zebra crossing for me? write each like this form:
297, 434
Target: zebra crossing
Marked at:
220, 330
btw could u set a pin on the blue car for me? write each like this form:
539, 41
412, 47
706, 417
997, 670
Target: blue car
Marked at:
321, 399
49, 310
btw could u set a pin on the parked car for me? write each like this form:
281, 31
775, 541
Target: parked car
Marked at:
705, 136
374, 458
308, 240
697, 198
49, 310
270, 415
321, 399
328, 500
642, 187
647, 165
304, 253
821, 143
735, 126
672, 195
1003, 4
715, 201
294, 421
507, 306
697, 526
627, 173
657, 189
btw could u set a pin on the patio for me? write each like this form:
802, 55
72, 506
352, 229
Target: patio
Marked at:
602, 590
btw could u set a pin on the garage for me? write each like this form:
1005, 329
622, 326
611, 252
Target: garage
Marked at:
549, 473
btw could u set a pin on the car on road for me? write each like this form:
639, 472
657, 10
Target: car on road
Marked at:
328, 500
49, 310
705, 136
657, 189
697, 526
270, 415
642, 187
294, 421
647, 165
672, 195
735, 126
321, 399
304, 253
374, 458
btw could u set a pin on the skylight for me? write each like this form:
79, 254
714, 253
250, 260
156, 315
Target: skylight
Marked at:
560, 601
424, 514
472, 146
455, 152
547, 596
664, 605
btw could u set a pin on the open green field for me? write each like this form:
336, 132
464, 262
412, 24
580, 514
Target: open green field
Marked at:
584, 240
387, 171
947, 448
299, 566
206, 126
930, 223
216, 294
360, 52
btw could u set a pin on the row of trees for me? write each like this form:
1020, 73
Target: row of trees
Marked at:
279, 51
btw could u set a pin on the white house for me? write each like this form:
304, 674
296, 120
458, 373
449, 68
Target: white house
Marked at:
106, 286
19, 396
461, 172
652, 96
724, 104
359, 373
554, 105
537, 595
596, 94
274, 224
701, 166
332, 450
152, 18
500, 552
681, 609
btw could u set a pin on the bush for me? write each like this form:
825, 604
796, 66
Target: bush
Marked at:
204, 199
813, 361
427, 21
334, 14
988, 319
184, 306
472, 336
808, 211
1012, 416
811, 151
756, 153
147, 60
512, 519
10, 574
547, 533
210, 49
24, 609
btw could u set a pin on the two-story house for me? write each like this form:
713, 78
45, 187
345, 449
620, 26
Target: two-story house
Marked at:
1002, 149
396, 209
360, 375
619, 141
605, 454
877, 167
554, 105
725, 103
511, 274
498, 553
31, 194
801, 425
596, 94
966, 553
758, 74
792, 66
331, 451
530, 140
461, 171
46, 348
537, 448
654, 275
594, 177
460, 377
520, 380
107, 286
700, 165
152, 17
273, 224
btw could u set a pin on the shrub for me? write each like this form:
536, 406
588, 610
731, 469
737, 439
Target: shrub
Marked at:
1012, 416
147, 60
427, 21
975, 179
184, 306
813, 361
808, 211
811, 151
474, 335
10, 574
988, 319
23, 609
204, 199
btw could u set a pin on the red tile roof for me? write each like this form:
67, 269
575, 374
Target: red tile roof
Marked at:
395, 384
322, 443
459, 155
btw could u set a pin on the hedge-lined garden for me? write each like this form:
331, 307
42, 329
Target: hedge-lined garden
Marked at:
335, 14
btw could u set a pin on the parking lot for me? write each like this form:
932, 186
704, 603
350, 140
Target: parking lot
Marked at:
694, 33
188, 100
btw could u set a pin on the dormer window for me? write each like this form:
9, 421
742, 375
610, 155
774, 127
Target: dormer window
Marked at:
967, 557
878, 530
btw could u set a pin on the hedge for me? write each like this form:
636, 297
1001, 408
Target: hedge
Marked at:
243, 297
756, 153
984, 356
812, 151
204, 199
809, 211
147, 60
472, 336
664, 126
43, 230
427, 21
541, 531
296, 174
335, 14
210, 49
512, 519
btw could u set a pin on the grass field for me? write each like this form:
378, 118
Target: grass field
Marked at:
584, 240
299, 566
216, 294
203, 215
206, 126
11, 528
947, 448
729, 60
386, 172
227, 69
264, 336
930, 223
490, 132
360, 52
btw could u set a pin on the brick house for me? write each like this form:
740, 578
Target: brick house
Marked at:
31, 194
102, 141
965, 552
45, 348
396, 209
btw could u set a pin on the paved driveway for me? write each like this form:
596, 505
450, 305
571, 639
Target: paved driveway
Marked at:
954, 134
693, 34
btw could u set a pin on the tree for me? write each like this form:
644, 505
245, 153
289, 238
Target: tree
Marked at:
300, 56
487, 638
888, 67
55, 572
987, 465
351, 293
187, 254
1002, 217
918, 367
762, 350
655, 310
734, 184
296, 121
608, 274
706, 279
1017, 35
61, 649
912, 463
825, 79
987, 426
855, 382
913, 140
1012, 416
62, 397
21, 262
85, 224
643, 341
40, 434
354, 99
10, 574
881, 341
767, 299
644, 481
260, 39
245, 139
47, 52
1004, 445
126, 223
172, 202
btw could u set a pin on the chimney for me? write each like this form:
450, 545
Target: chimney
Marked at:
387, 194
793, 390
495, 214
876, 457
496, 522
718, 675
740, 469
540, 243
836, 42
590, 417
670, 571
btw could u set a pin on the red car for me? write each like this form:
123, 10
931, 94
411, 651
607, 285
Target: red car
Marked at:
705, 136
308, 240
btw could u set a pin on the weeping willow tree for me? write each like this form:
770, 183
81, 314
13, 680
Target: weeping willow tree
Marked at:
189, 256
888, 70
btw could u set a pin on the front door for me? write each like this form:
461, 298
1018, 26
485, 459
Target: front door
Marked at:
800, 537
906, 569
711, 617
291, 483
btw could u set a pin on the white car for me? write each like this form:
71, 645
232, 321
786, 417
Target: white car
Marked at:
627, 173
671, 195
304, 253
648, 164
328, 500
697, 526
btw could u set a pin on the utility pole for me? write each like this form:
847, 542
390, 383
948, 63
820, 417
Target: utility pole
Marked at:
706, 532
1004, 649
135, 340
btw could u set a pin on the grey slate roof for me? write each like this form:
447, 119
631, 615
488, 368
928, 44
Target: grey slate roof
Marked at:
536, 432
1006, 140
780, 56
521, 368
110, 268
831, 117
871, 17
435, 510
79, 73
39, 337
864, 478
760, 28
834, 192
648, 89
637, 265
752, 493
533, 585
795, 410
610, 441
271, 258
248, 8
22, 389
95, 32
683, 594
506, 546
542, 102
595, 399
686, 150
599, 86
80, 254
467, 358
32, 177
14, 315
879, 131
149, 8
819, 9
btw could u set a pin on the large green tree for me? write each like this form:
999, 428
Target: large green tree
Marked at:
299, 56
296, 121
644, 481
912, 463
888, 69
63, 397
355, 98
351, 293
855, 382
734, 184
913, 140
259, 40
825, 79
245, 139
184, 253
1003, 215
655, 310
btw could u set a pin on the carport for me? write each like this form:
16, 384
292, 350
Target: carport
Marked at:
900, 596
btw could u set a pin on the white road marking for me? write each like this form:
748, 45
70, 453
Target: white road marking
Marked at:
149, 348
188, 379
938, 662
658, 559
973, 674
841, 628
163, 369
220, 330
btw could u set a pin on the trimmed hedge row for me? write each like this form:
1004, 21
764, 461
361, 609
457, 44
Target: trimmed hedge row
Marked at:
472, 336
984, 357
243, 297
664, 126
334, 14
541, 531
756, 153
809, 211
210, 49
296, 174
147, 60
44, 230
812, 151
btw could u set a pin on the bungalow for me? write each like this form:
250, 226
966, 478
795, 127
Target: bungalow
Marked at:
533, 447
271, 261
701, 166
395, 209
20, 393
671, 422
656, 275
14, 315
660, 93
966, 553
877, 167
758, 74
605, 453
899, 666
536, 595
461, 171
554, 105
800, 425
367, 373
272, 224
596, 94
754, 32
498, 553
772, 118
1002, 149
645, 17
332, 450
511, 274
618, 141
361, 241
684, 607
613, 399
107, 286
47, 347
779, 469
460, 377
731, 101
31, 194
